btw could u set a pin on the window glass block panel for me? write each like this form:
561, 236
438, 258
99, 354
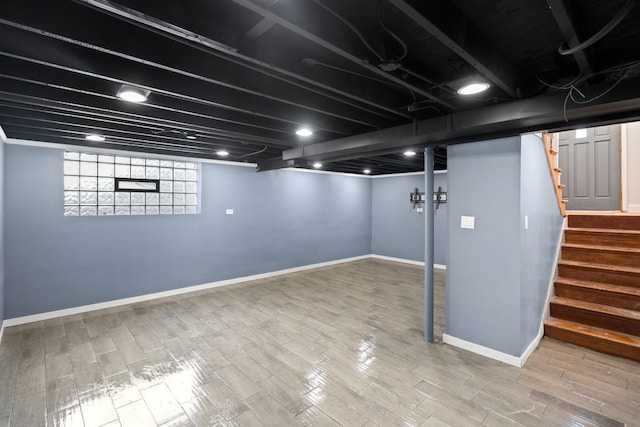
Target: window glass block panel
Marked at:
153, 210
71, 167
122, 210
191, 175
153, 162
88, 198
191, 199
123, 160
179, 174
166, 210
166, 163
137, 172
137, 199
166, 173
153, 172
123, 171
137, 161
153, 199
190, 165
123, 198
105, 159
88, 183
105, 169
179, 187
191, 209
105, 198
88, 210
105, 210
191, 187
88, 157
137, 210
71, 211
106, 184
179, 164
71, 198
178, 199
166, 198
71, 183
166, 186
179, 210
71, 155
88, 168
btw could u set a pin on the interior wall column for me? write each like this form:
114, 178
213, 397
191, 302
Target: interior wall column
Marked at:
428, 243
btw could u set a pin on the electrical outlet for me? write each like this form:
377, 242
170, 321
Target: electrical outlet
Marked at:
229, 211
468, 222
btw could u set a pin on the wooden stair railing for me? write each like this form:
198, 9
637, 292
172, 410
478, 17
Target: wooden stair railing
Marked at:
552, 158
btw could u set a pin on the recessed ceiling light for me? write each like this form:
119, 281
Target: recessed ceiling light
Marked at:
366, 171
317, 165
222, 153
409, 153
192, 137
132, 94
94, 137
304, 132
473, 88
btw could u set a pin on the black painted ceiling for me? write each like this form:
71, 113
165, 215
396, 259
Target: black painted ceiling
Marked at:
243, 75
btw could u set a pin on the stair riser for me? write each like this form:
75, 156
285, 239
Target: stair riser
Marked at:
594, 343
599, 320
602, 239
630, 302
593, 275
619, 222
601, 257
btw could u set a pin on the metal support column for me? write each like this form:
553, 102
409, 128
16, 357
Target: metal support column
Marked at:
428, 244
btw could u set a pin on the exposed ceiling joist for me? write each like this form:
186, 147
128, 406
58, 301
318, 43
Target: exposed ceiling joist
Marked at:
441, 19
610, 103
320, 41
561, 11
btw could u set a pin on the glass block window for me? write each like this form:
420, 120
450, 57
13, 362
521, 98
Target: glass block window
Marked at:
90, 185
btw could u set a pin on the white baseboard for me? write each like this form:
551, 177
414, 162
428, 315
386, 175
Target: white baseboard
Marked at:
483, 351
407, 261
633, 208
132, 300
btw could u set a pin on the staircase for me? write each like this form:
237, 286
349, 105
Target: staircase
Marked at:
552, 158
597, 291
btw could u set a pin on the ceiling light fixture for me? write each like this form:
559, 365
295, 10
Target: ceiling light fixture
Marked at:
366, 171
94, 137
473, 88
222, 153
409, 153
317, 165
192, 137
132, 94
304, 132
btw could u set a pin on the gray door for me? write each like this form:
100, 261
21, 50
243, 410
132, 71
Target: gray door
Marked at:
590, 163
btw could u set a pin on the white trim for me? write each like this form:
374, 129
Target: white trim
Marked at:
551, 289
357, 175
1, 325
485, 351
3, 136
132, 300
633, 208
407, 261
623, 167
392, 175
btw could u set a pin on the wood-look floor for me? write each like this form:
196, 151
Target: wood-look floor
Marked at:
340, 345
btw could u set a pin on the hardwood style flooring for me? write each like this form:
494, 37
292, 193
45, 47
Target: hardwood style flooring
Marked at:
340, 345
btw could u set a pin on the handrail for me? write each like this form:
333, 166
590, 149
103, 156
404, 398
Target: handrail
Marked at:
554, 170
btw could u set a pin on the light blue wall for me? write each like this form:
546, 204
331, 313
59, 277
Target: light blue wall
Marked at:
282, 219
398, 230
2, 141
539, 243
483, 269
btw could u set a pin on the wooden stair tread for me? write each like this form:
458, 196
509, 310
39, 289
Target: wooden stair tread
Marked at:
605, 231
599, 308
618, 337
597, 286
611, 268
601, 248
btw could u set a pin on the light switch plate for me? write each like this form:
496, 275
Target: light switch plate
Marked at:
468, 222
419, 210
229, 211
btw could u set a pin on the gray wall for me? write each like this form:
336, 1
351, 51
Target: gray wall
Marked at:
2, 142
398, 230
282, 219
540, 241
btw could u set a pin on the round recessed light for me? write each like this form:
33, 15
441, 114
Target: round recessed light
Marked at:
473, 88
132, 94
317, 165
94, 137
409, 153
222, 153
304, 132
366, 171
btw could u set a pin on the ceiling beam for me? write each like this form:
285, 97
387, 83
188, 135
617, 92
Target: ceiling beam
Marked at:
546, 112
320, 41
562, 13
441, 19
